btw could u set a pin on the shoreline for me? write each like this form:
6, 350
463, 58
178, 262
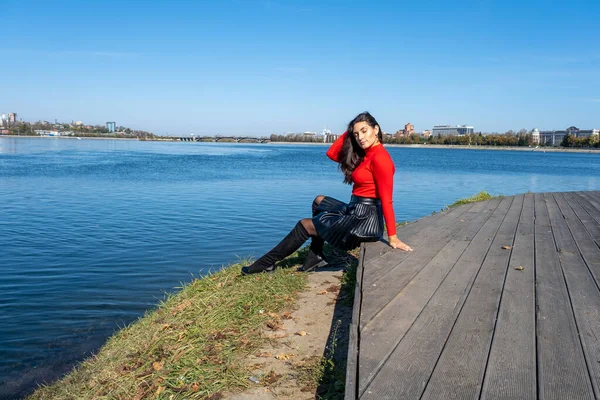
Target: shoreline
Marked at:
70, 137
410, 146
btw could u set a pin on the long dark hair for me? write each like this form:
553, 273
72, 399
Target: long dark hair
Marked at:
351, 154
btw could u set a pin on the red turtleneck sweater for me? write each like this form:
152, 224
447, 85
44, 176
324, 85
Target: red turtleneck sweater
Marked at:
374, 177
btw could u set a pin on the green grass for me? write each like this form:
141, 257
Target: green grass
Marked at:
192, 346
481, 196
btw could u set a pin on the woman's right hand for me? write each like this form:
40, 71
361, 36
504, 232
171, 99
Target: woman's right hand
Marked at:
398, 244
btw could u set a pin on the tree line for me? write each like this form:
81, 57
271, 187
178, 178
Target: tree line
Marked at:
29, 128
522, 138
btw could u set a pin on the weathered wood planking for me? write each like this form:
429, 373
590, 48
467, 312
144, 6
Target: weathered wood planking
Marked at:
410, 364
591, 225
457, 318
576, 254
382, 291
382, 334
511, 368
460, 369
416, 235
562, 372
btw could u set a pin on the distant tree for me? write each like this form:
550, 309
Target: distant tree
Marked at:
568, 140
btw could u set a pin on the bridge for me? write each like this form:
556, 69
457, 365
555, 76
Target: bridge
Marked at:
247, 139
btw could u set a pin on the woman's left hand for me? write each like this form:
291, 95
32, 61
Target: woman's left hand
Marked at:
398, 244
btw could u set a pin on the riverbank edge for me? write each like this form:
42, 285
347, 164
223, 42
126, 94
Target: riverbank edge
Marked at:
408, 146
193, 344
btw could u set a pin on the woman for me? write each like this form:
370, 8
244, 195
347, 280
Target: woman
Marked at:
369, 168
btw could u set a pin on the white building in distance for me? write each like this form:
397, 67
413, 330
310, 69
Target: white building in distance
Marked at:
451, 130
555, 138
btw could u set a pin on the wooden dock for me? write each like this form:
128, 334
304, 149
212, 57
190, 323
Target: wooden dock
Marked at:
499, 300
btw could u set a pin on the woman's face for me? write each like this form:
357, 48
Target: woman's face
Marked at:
365, 135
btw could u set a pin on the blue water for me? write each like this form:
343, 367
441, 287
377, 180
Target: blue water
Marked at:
94, 232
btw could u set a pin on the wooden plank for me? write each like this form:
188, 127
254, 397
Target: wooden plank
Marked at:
562, 372
594, 195
460, 369
409, 367
511, 368
592, 200
593, 213
407, 231
579, 257
589, 221
354, 341
380, 292
383, 333
416, 238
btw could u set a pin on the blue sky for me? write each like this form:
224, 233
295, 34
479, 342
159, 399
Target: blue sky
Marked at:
273, 66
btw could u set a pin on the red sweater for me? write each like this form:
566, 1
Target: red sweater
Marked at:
374, 178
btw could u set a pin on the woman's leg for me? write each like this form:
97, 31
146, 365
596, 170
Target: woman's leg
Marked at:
317, 242
314, 259
292, 242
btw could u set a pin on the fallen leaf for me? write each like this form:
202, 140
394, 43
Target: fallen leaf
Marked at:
195, 387
157, 366
519, 268
220, 284
322, 292
301, 333
506, 247
274, 325
286, 315
284, 356
271, 377
273, 315
160, 390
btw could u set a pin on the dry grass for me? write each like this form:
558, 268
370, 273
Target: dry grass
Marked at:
191, 347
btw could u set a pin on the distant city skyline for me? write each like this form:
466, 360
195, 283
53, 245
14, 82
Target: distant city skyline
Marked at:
259, 67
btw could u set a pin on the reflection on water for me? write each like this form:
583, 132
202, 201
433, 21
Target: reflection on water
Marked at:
94, 231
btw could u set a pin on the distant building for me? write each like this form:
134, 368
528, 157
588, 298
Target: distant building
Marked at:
409, 129
41, 132
111, 126
79, 123
330, 138
535, 136
450, 130
426, 134
555, 138
12, 118
3, 131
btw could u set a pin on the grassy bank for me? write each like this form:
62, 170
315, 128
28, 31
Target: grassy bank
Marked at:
192, 346
481, 196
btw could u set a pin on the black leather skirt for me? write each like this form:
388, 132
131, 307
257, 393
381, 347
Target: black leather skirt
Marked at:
345, 226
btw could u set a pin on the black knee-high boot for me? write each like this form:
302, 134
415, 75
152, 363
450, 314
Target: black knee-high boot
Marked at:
317, 242
315, 257
287, 246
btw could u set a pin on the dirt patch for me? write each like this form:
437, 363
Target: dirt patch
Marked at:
307, 344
